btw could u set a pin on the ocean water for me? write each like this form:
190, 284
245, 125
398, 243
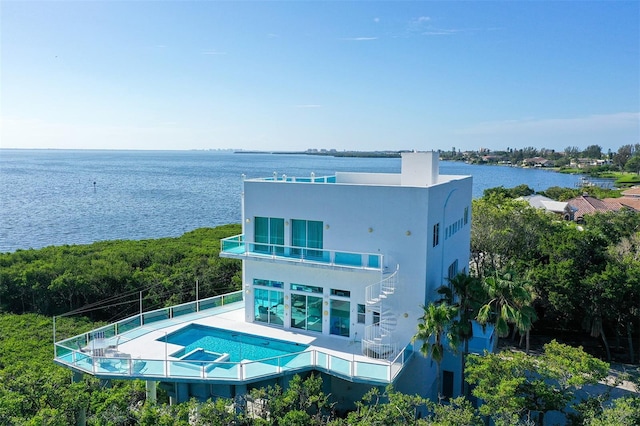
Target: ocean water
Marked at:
56, 197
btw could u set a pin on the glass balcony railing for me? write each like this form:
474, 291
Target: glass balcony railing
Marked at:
234, 372
93, 352
237, 247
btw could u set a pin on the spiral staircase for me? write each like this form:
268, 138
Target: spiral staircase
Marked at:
378, 341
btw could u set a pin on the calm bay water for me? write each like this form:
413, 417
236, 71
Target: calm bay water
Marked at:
49, 197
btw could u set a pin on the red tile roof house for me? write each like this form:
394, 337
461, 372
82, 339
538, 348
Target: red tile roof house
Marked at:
632, 192
585, 204
631, 198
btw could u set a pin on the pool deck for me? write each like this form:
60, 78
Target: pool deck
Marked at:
151, 346
140, 352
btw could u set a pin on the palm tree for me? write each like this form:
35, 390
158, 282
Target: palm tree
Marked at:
434, 327
465, 292
526, 314
509, 301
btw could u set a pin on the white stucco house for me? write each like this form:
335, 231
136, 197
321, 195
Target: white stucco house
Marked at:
339, 266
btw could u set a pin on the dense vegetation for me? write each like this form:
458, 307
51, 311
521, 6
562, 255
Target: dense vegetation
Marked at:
531, 274
34, 391
54, 280
582, 281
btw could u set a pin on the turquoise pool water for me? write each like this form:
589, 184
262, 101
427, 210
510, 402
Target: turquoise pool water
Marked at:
239, 346
197, 355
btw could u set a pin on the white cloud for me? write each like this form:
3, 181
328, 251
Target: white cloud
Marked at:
445, 32
423, 19
361, 38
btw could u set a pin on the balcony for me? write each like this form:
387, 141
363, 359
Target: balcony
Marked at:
236, 247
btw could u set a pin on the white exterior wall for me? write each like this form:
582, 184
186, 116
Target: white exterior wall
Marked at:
354, 281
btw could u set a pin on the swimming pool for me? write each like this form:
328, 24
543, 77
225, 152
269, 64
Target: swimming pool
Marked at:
199, 354
239, 346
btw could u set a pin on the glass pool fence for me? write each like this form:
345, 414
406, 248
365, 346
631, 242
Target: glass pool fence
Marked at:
96, 352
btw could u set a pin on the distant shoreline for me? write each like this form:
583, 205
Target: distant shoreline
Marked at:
360, 154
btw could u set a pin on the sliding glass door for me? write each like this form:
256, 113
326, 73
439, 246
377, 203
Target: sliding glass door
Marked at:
269, 235
307, 234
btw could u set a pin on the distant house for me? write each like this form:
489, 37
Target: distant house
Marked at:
491, 158
557, 207
632, 193
630, 198
583, 163
537, 162
603, 162
585, 204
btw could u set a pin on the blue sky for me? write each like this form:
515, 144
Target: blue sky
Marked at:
295, 75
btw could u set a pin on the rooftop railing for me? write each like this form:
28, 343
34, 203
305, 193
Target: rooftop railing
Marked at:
237, 247
304, 179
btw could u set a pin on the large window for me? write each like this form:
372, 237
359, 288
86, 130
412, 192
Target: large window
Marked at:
269, 231
268, 306
307, 234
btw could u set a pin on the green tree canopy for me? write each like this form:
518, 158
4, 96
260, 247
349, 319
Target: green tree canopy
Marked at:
515, 386
54, 280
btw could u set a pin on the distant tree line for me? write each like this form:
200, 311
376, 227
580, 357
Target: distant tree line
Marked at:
625, 159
